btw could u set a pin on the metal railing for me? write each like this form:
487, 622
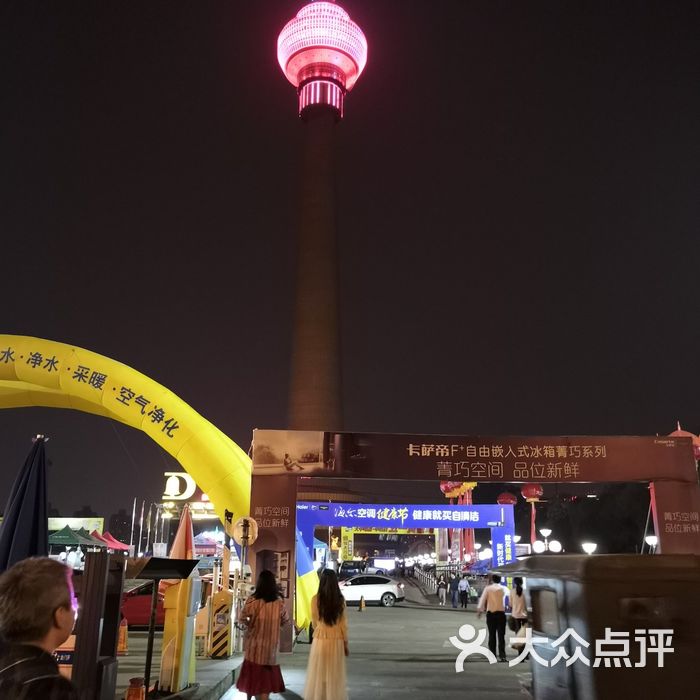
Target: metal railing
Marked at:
427, 579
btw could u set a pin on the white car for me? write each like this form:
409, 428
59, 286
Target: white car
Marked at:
374, 589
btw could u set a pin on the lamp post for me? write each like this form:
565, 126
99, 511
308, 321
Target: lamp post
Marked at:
539, 546
545, 532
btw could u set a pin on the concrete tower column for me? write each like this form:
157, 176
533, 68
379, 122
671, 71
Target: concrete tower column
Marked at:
315, 399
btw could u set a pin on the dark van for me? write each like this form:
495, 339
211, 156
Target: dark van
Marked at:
350, 568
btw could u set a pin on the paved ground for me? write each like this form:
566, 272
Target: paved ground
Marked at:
404, 652
211, 675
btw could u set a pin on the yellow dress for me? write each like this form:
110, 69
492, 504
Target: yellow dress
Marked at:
325, 677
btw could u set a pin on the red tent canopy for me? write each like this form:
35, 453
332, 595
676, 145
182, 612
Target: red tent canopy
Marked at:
99, 537
114, 543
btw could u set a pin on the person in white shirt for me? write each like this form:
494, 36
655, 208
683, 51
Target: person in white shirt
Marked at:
492, 602
463, 588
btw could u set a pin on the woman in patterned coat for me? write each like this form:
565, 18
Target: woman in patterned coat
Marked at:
263, 614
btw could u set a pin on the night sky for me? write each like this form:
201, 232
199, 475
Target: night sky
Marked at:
518, 208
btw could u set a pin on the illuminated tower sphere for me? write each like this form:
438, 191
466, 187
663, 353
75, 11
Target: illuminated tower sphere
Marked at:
322, 53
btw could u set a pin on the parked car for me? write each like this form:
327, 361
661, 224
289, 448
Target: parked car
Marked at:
136, 604
374, 589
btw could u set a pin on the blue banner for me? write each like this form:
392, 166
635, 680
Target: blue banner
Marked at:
412, 516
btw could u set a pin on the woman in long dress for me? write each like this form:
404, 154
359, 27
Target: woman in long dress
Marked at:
325, 676
263, 613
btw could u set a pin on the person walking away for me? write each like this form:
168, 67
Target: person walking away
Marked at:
442, 590
263, 613
326, 676
517, 604
37, 614
493, 604
454, 589
463, 588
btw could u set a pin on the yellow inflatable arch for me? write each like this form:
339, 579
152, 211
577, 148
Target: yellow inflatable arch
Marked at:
35, 372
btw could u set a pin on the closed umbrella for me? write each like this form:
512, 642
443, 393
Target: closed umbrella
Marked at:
183, 544
24, 532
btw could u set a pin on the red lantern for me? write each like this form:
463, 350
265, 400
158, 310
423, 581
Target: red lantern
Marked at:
532, 493
507, 499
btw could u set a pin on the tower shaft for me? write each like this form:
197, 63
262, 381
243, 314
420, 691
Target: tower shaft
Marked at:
315, 388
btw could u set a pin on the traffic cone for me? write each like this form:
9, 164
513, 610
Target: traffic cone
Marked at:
361, 606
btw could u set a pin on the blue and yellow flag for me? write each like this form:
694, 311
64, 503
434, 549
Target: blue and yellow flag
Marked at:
307, 583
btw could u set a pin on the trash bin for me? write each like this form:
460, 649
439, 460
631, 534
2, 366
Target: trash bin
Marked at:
613, 600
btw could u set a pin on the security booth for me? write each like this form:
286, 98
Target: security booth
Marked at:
626, 625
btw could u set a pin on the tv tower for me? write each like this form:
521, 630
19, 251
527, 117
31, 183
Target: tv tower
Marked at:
322, 52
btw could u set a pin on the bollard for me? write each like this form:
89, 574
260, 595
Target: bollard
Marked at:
220, 636
361, 606
123, 641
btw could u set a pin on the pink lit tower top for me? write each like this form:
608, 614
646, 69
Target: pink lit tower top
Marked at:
322, 52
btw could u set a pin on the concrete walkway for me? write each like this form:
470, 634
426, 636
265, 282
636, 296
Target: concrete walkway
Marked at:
405, 651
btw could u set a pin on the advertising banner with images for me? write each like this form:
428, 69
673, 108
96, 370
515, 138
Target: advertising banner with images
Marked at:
502, 459
676, 517
273, 507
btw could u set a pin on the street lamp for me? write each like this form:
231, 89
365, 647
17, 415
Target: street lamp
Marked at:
539, 547
516, 538
589, 547
485, 554
652, 541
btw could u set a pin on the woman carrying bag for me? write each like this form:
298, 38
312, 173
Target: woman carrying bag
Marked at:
263, 614
326, 676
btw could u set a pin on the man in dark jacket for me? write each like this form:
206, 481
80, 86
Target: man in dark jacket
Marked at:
37, 614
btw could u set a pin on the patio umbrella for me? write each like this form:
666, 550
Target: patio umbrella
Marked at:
24, 531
